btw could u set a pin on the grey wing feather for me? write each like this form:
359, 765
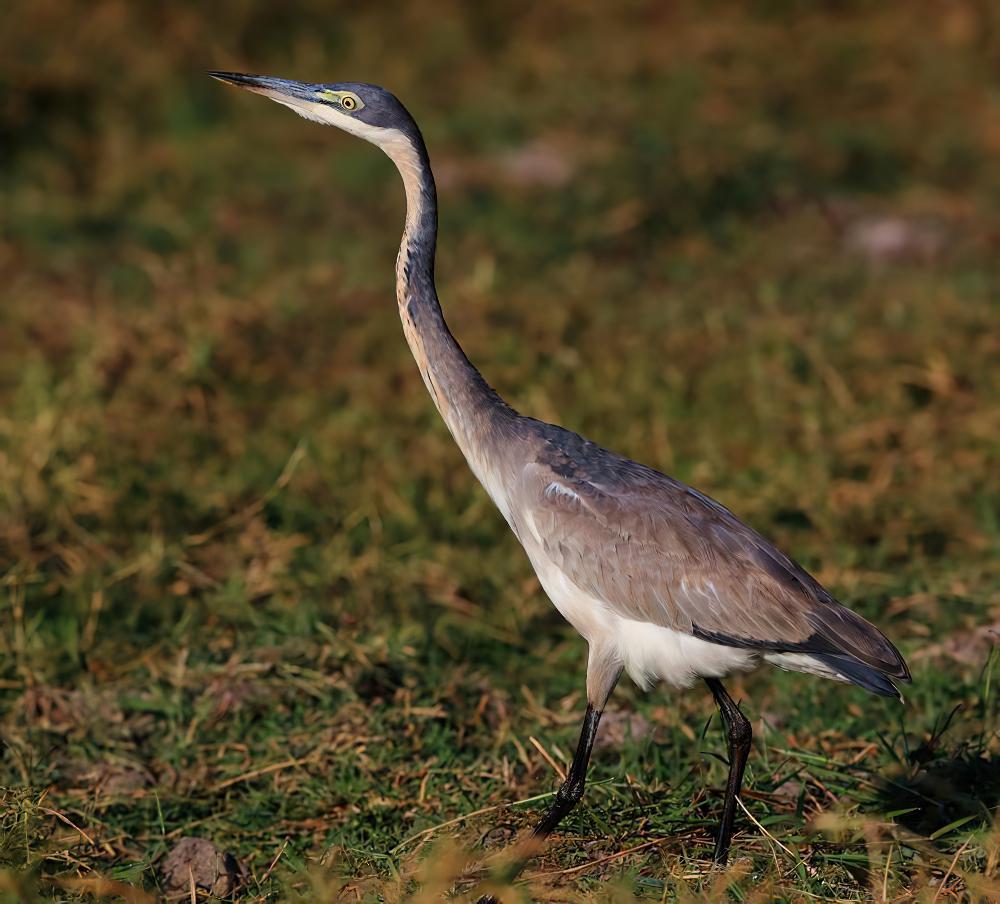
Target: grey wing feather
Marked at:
655, 550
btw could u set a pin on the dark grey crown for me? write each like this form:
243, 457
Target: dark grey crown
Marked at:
381, 108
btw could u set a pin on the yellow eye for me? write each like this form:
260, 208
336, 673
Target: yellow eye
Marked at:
348, 101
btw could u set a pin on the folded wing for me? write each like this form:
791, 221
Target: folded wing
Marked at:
655, 550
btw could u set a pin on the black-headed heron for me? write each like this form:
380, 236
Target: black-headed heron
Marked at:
663, 582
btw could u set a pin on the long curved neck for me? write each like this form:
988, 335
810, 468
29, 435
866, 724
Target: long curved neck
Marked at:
470, 407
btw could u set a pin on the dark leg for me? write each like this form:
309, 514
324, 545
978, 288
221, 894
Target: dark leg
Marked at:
570, 791
738, 736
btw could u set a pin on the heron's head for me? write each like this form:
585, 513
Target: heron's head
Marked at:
368, 111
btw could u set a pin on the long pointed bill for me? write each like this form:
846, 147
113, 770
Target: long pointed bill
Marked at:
282, 90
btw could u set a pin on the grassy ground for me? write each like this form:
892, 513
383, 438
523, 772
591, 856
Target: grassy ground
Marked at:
250, 592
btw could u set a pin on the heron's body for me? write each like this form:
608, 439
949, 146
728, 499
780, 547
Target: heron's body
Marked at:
661, 581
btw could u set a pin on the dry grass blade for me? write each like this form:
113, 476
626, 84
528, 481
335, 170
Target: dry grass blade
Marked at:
100, 887
257, 773
556, 768
255, 507
798, 861
63, 818
951, 868
458, 820
274, 862
592, 864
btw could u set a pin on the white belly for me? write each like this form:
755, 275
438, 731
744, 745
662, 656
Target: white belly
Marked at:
648, 652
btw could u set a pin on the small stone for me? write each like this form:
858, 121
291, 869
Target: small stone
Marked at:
498, 837
217, 872
119, 779
617, 725
789, 790
883, 239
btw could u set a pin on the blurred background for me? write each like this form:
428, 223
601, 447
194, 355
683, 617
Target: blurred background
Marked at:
250, 592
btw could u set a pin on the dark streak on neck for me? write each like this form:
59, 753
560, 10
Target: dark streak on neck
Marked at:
464, 398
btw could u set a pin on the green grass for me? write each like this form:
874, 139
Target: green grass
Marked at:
251, 593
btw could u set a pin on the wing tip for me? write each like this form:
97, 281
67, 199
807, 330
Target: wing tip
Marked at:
874, 680
853, 637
